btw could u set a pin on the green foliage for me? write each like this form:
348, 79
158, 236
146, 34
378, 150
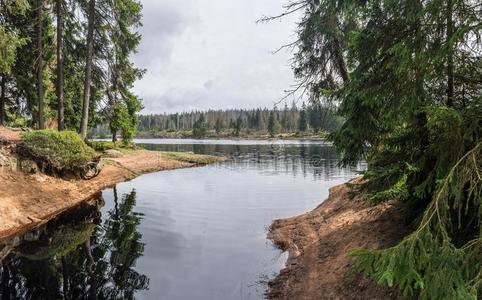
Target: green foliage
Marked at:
116, 26
102, 145
399, 73
315, 117
191, 157
303, 121
254, 122
62, 150
200, 128
238, 126
441, 259
218, 127
9, 38
274, 126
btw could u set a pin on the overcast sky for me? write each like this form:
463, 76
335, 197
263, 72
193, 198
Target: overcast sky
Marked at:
202, 54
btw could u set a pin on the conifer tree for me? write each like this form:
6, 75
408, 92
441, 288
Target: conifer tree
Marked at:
88, 68
401, 74
302, 121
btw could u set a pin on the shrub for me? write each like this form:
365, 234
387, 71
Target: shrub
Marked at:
61, 150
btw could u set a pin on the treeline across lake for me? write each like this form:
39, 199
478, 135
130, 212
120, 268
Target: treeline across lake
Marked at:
67, 64
304, 120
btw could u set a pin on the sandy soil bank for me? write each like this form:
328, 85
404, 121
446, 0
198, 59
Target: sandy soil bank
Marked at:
27, 201
318, 242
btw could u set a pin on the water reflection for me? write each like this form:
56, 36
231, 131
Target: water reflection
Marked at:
195, 233
317, 159
77, 257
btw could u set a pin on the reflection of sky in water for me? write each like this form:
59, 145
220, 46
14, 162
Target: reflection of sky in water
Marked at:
203, 230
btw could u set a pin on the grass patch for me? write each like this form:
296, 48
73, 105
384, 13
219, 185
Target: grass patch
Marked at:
62, 150
191, 157
102, 145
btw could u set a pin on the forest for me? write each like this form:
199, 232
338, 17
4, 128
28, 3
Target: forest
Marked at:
66, 64
394, 83
406, 75
306, 119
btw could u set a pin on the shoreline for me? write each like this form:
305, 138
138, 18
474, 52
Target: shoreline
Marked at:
318, 241
235, 139
29, 201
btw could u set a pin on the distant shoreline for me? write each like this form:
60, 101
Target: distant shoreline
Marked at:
258, 136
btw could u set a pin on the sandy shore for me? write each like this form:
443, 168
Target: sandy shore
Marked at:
27, 201
318, 242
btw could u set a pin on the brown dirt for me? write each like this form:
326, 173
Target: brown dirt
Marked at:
8, 135
318, 242
27, 201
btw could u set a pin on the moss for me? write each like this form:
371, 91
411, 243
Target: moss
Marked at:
62, 150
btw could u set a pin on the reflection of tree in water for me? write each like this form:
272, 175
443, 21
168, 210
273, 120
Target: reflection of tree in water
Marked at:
72, 262
317, 160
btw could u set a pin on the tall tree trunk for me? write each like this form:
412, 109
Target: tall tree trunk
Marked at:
60, 66
40, 84
88, 70
340, 61
450, 55
2, 101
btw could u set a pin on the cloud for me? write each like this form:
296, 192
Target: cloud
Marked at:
202, 54
209, 84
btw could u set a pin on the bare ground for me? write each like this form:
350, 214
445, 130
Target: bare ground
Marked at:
318, 242
27, 201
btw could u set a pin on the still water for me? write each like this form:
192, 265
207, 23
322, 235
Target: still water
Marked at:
195, 233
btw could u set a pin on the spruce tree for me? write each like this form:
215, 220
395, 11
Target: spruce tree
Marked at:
302, 121
401, 74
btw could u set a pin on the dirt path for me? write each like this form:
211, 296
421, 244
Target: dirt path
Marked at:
318, 241
27, 201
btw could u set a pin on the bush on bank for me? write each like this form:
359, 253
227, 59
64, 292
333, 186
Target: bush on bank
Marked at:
61, 150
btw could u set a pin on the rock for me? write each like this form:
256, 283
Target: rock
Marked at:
29, 166
112, 153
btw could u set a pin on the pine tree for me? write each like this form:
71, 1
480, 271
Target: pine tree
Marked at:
60, 64
218, 126
302, 121
88, 69
40, 63
200, 128
315, 117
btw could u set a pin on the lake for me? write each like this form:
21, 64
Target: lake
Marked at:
196, 233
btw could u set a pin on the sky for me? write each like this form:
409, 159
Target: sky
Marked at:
211, 54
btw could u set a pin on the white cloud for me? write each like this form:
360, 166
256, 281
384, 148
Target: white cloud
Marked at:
203, 54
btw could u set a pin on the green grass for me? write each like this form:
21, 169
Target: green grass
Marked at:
62, 150
191, 157
102, 145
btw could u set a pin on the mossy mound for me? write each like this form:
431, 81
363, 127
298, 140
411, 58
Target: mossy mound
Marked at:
63, 150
